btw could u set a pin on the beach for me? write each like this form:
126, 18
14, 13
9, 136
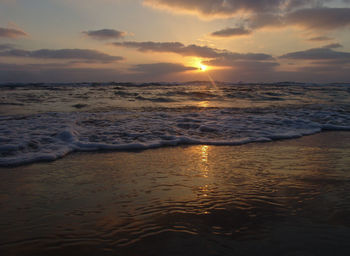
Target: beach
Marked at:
286, 197
174, 128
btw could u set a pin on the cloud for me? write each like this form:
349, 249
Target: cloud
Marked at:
64, 54
191, 50
247, 56
6, 47
306, 14
248, 71
239, 63
24, 73
320, 71
231, 32
231, 59
324, 53
11, 33
245, 70
161, 68
58, 72
310, 19
320, 38
226, 8
255, 66
105, 34
247, 63
332, 46
259, 21
173, 47
320, 18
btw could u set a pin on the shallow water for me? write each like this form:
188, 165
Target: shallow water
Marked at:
277, 198
40, 122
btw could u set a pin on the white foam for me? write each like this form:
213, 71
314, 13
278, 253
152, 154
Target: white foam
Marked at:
49, 136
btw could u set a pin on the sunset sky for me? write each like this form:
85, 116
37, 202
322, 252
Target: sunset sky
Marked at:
169, 40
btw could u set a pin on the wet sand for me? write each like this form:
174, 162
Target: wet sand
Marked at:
289, 197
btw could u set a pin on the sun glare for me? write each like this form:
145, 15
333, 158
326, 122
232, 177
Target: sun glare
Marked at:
203, 67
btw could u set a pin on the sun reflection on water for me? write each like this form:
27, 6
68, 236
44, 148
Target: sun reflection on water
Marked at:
204, 158
203, 104
204, 150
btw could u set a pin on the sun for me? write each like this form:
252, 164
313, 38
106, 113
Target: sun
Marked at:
203, 67
198, 65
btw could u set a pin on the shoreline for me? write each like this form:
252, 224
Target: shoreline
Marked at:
243, 199
141, 148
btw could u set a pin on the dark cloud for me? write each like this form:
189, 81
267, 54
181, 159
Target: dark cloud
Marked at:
261, 73
242, 64
308, 14
332, 46
227, 7
250, 62
6, 47
255, 66
67, 54
231, 7
191, 50
265, 20
56, 73
320, 18
320, 38
105, 34
161, 68
231, 32
173, 47
248, 71
311, 19
11, 33
246, 56
324, 53
245, 62
59, 72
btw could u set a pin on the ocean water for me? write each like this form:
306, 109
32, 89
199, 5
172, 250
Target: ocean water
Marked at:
283, 198
44, 122
193, 198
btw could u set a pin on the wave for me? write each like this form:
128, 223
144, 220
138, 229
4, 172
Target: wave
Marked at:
49, 136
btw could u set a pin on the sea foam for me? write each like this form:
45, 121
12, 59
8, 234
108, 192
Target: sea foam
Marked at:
48, 136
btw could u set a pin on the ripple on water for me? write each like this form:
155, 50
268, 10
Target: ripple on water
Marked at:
205, 200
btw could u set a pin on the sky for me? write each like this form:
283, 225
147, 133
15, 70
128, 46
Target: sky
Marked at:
174, 40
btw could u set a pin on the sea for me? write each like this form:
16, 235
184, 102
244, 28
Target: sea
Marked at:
196, 168
44, 122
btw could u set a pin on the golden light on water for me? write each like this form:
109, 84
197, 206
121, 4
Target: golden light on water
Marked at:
204, 150
203, 104
204, 157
